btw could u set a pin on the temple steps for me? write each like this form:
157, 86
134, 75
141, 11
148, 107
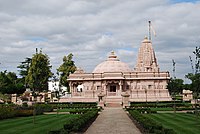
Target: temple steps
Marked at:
113, 101
113, 105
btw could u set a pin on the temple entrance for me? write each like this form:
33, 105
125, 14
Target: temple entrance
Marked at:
113, 88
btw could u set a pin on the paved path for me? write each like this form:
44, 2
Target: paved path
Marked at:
113, 121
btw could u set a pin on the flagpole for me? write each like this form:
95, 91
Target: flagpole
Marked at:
150, 30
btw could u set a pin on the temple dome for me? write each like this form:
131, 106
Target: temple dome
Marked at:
112, 64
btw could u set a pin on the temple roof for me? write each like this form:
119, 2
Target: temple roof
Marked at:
112, 64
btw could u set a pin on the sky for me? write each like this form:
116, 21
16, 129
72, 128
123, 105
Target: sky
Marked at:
90, 29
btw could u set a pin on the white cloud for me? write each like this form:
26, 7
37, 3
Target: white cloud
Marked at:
91, 29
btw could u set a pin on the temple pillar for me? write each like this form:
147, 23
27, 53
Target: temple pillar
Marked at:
101, 99
125, 99
120, 87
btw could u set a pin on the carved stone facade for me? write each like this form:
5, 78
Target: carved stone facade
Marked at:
113, 78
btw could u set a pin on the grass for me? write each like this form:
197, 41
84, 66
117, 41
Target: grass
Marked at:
162, 109
72, 110
43, 124
182, 123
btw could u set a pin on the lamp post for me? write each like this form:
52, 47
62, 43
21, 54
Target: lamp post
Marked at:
146, 95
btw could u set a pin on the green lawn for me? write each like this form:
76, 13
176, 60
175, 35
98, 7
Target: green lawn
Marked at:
43, 124
162, 109
182, 123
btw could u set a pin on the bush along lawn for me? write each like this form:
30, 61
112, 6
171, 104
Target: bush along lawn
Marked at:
74, 105
149, 125
77, 124
78, 111
167, 104
77, 120
10, 111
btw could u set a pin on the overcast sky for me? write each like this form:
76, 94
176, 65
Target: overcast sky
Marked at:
90, 29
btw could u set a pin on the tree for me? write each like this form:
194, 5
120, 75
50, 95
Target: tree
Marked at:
175, 86
67, 67
195, 76
23, 69
10, 84
39, 72
195, 85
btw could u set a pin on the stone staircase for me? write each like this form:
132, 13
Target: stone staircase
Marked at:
113, 101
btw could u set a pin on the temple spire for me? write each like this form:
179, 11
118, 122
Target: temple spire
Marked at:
146, 61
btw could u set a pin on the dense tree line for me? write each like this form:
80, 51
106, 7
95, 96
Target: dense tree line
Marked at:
35, 73
9, 83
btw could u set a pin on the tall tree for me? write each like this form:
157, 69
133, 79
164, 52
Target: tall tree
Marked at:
195, 76
175, 86
67, 67
23, 69
39, 72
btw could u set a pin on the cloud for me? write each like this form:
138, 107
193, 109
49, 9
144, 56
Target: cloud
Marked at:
91, 29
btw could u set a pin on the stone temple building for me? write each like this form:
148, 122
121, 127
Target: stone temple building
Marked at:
112, 80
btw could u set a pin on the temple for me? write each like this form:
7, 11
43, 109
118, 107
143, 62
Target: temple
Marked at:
112, 81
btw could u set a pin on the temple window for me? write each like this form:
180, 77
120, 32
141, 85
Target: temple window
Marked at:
80, 88
98, 87
149, 86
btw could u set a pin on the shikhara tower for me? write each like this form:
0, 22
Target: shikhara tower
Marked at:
146, 61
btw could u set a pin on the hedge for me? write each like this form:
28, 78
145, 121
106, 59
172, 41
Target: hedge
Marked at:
150, 125
161, 104
7, 112
78, 123
62, 105
10, 111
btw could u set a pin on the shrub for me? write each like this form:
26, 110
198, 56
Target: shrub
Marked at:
77, 124
10, 111
7, 112
40, 108
24, 112
149, 125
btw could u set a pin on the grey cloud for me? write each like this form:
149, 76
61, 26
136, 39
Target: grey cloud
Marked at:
91, 29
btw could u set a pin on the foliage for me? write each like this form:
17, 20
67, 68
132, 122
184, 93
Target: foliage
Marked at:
23, 69
74, 105
40, 108
195, 76
195, 87
43, 124
168, 104
67, 67
175, 86
10, 111
6, 112
150, 125
10, 84
78, 123
181, 123
39, 72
